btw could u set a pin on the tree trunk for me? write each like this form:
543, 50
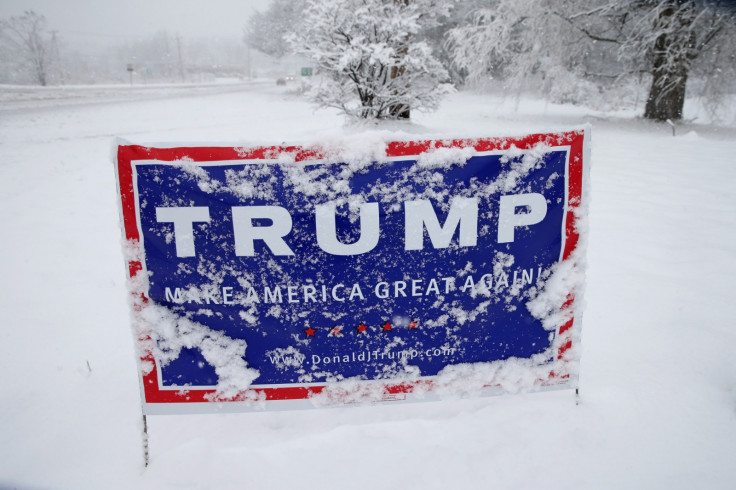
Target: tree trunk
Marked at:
667, 93
41, 73
399, 111
672, 51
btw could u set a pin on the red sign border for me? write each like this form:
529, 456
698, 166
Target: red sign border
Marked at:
126, 154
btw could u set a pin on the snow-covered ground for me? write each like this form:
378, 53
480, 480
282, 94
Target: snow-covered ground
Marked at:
658, 376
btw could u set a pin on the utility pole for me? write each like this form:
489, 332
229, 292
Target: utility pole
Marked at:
181, 62
55, 56
247, 61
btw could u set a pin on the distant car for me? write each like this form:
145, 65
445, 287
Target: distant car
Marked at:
280, 81
290, 78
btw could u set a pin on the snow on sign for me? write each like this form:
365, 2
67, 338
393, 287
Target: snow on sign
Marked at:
289, 276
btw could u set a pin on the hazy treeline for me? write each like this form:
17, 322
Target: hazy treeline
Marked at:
380, 58
32, 52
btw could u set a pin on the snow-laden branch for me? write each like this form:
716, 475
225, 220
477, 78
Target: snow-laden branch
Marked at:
370, 64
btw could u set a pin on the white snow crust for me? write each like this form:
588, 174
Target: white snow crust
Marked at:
657, 405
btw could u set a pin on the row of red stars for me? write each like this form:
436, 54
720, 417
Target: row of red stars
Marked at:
336, 331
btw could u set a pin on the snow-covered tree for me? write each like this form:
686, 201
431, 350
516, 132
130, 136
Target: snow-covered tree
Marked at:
557, 43
266, 31
27, 42
522, 42
665, 38
436, 35
371, 64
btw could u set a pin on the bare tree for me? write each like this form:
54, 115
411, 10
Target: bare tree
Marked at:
266, 31
28, 40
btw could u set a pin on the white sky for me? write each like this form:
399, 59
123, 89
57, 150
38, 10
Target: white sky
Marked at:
107, 21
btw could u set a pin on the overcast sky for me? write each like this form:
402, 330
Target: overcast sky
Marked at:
104, 21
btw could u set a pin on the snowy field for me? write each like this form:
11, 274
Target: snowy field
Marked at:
658, 377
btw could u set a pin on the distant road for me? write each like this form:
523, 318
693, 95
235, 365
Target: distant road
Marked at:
22, 98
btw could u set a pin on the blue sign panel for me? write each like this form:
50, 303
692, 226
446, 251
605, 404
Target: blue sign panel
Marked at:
330, 270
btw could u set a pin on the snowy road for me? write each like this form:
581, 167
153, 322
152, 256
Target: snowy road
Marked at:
658, 383
22, 99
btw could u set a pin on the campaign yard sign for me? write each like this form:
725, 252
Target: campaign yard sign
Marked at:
289, 276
